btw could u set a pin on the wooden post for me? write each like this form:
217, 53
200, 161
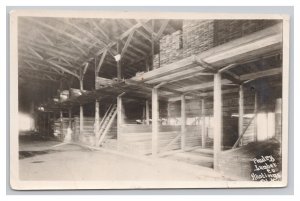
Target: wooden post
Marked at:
255, 120
155, 117
218, 124
97, 117
119, 118
61, 122
119, 70
81, 110
241, 112
183, 122
147, 113
203, 133
152, 46
169, 113
70, 118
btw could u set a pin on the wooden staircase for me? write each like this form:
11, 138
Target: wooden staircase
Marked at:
106, 124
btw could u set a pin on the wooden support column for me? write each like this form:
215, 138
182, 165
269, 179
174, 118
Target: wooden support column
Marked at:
147, 113
119, 117
152, 45
169, 113
218, 121
241, 112
255, 120
70, 118
155, 117
97, 117
183, 122
61, 122
119, 70
203, 133
81, 111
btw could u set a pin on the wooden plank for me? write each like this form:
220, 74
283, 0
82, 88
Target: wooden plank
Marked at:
203, 130
119, 118
183, 122
241, 111
155, 117
218, 121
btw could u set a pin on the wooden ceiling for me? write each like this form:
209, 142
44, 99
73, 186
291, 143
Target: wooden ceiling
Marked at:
55, 48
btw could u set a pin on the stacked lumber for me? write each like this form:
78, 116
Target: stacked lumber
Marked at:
60, 128
138, 138
103, 82
227, 30
88, 135
198, 36
170, 48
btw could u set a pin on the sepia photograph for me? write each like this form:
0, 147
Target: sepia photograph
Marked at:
147, 100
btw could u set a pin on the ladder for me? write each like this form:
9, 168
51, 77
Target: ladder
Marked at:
106, 123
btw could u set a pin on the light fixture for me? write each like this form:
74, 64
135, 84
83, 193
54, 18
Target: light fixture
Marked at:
117, 57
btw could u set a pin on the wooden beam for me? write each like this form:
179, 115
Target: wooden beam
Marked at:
56, 30
101, 61
183, 122
127, 43
203, 128
155, 118
161, 29
260, 74
179, 75
144, 35
218, 121
241, 111
64, 69
167, 69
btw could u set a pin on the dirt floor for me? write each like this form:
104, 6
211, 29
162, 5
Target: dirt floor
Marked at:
39, 160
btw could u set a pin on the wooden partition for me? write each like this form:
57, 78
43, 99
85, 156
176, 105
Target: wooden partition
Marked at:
137, 138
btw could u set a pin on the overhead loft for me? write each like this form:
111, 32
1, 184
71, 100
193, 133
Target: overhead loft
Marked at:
193, 76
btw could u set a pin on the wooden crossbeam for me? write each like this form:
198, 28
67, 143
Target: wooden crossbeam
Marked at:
144, 35
161, 29
101, 30
64, 69
84, 31
46, 38
60, 31
101, 61
127, 43
35, 53
260, 74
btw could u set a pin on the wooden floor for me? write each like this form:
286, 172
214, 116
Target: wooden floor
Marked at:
198, 156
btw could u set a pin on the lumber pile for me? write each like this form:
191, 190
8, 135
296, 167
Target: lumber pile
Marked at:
103, 82
170, 48
138, 138
60, 128
198, 36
